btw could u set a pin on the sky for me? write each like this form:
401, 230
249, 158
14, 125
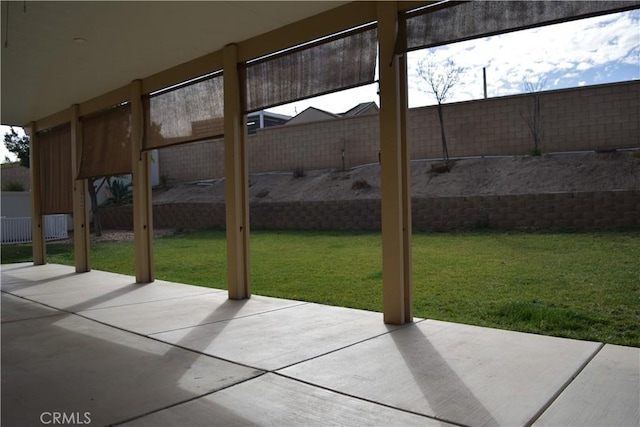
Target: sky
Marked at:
589, 51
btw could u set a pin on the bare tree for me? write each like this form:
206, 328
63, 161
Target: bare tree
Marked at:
532, 115
440, 79
18, 145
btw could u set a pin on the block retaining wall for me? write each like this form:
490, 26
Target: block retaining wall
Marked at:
554, 211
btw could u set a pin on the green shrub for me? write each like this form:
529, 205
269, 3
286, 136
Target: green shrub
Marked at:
298, 172
119, 192
360, 184
165, 181
13, 186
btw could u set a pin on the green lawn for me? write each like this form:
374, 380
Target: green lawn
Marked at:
578, 285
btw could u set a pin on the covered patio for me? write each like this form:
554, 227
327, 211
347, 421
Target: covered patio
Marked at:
109, 351
192, 71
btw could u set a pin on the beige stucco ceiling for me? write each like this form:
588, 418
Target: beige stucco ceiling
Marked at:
45, 71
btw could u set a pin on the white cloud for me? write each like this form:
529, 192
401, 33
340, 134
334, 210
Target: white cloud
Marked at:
570, 48
583, 66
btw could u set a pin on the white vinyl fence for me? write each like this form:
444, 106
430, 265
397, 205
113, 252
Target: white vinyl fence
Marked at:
18, 230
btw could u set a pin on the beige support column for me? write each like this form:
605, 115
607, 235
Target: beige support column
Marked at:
236, 170
406, 193
80, 211
142, 201
396, 196
37, 221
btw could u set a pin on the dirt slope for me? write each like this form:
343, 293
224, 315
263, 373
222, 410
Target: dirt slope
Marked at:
477, 176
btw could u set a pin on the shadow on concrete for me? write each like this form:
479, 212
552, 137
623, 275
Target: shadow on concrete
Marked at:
442, 388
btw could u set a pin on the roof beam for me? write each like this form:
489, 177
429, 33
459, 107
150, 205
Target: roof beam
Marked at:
206, 64
332, 21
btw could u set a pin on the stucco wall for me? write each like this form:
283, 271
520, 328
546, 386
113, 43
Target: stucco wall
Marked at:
13, 172
16, 204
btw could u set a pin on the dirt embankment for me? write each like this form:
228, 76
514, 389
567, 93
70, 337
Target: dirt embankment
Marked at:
477, 176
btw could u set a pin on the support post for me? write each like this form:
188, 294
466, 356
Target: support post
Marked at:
142, 201
395, 172
37, 221
236, 171
80, 211
484, 81
407, 228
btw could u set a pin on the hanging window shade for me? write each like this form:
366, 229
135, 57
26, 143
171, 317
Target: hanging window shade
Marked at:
184, 114
337, 63
106, 143
453, 21
55, 170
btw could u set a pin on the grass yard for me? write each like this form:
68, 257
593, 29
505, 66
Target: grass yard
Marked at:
577, 285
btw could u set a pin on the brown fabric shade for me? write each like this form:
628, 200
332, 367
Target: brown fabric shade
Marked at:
338, 63
106, 143
456, 21
184, 114
56, 170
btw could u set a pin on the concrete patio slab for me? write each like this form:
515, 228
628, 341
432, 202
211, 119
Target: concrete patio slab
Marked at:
280, 338
92, 296
171, 314
463, 374
277, 401
606, 393
326, 365
76, 292
14, 308
68, 364
30, 280
24, 272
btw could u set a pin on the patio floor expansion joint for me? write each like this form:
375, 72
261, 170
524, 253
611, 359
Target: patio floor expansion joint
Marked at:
173, 405
345, 346
70, 313
375, 402
146, 302
559, 392
6, 322
229, 320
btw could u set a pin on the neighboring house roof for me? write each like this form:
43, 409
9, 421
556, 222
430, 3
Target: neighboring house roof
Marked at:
311, 114
362, 109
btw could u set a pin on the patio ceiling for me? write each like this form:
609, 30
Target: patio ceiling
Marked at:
46, 69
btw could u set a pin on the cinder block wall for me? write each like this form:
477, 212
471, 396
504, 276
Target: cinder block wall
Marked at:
587, 118
553, 211
192, 162
316, 145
